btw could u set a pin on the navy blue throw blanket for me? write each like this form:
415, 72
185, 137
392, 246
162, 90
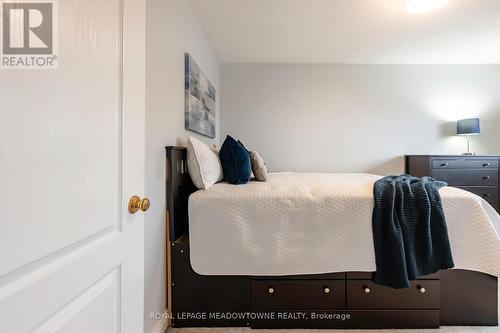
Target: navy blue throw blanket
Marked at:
409, 230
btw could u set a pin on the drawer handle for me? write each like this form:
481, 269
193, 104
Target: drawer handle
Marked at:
486, 165
366, 289
270, 290
486, 177
421, 289
444, 164
326, 290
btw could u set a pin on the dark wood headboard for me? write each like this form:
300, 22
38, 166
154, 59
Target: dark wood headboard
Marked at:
179, 187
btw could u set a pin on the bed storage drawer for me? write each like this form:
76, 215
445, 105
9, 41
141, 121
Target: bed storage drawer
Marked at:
467, 177
368, 295
358, 319
297, 294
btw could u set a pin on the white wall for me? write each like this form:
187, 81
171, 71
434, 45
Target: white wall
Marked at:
357, 118
172, 30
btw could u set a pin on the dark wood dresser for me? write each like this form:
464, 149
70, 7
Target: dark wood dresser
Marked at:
474, 173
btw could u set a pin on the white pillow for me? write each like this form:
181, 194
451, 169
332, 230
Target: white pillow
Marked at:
203, 164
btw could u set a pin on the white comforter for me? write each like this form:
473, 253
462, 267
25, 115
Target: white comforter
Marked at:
305, 223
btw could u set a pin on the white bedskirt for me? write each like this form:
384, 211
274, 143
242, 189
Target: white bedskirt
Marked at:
312, 223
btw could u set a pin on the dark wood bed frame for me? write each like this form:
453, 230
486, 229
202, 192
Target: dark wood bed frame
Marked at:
337, 300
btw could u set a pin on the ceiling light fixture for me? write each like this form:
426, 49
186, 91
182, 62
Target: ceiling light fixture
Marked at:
424, 6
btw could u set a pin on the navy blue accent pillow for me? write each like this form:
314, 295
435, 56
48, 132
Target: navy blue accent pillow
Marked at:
235, 161
248, 151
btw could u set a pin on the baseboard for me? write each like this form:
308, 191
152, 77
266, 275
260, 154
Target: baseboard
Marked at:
162, 325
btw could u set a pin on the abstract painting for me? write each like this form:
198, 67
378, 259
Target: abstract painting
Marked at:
199, 112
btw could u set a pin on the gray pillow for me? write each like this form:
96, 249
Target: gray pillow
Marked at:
258, 166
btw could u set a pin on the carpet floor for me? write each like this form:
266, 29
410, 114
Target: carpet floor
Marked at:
248, 330
443, 329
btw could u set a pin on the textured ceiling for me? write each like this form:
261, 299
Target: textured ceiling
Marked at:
350, 31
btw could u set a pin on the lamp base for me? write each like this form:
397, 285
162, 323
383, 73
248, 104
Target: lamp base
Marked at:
468, 153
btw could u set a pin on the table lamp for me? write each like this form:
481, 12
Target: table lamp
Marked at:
468, 127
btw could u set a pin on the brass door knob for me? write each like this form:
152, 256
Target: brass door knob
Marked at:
135, 204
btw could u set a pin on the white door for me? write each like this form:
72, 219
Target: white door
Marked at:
71, 156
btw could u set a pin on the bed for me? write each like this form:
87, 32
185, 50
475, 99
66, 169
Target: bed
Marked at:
305, 257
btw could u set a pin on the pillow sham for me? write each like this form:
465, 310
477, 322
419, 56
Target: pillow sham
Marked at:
203, 164
235, 161
258, 166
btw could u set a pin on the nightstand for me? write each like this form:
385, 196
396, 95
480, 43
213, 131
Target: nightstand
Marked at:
477, 174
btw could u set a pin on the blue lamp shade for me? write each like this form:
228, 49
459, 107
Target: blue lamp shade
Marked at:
468, 126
